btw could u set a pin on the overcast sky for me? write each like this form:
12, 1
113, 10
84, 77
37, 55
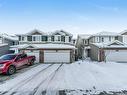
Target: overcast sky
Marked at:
74, 16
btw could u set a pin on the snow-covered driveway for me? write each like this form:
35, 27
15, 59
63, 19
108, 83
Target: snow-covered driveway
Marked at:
86, 77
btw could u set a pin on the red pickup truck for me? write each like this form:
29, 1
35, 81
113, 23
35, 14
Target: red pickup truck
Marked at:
11, 62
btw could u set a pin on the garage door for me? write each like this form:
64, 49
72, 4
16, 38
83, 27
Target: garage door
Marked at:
34, 53
116, 55
57, 56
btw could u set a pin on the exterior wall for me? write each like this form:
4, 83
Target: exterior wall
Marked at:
4, 50
94, 53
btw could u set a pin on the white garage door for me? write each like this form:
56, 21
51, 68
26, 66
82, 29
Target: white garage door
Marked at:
116, 56
52, 56
34, 53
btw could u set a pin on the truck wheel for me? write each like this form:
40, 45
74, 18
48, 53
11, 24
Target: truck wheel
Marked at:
11, 70
31, 62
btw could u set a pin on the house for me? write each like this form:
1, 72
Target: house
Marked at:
115, 51
54, 47
84, 41
6, 41
82, 45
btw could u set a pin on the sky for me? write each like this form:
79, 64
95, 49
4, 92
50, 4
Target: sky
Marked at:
74, 16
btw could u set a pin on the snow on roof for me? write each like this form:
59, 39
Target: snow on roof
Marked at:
45, 46
106, 33
10, 37
123, 32
85, 36
111, 44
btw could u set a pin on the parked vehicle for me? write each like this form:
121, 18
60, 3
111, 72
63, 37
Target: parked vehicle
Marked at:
9, 63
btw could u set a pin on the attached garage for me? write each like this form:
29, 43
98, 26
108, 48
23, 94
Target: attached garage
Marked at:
50, 53
115, 51
116, 55
57, 56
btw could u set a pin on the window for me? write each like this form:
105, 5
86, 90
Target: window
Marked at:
52, 38
85, 42
29, 38
23, 38
44, 38
7, 57
69, 39
57, 37
110, 38
102, 39
36, 38
116, 38
23, 56
62, 38
19, 38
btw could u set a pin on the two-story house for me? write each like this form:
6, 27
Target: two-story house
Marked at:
89, 46
53, 47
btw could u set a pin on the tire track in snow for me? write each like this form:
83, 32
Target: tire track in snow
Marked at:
15, 87
52, 75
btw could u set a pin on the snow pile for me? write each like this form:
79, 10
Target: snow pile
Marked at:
80, 77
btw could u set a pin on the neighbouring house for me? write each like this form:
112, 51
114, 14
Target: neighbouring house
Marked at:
8, 39
54, 47
4, 49
82, 45
5, 42
84, 41
115, 51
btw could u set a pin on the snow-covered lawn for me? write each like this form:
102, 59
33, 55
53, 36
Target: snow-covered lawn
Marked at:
77, 78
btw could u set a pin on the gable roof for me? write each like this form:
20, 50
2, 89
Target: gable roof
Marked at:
36, 31
123, 32
114, 44
61, 32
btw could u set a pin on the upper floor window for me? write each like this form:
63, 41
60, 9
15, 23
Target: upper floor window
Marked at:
36, 38
29, 38
57, 37
102, 39
116, 38
109, 38
85, 42
19, 38
23, 38
62, 38
44, 38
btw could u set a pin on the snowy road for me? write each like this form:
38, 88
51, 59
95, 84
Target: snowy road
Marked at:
86, 77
